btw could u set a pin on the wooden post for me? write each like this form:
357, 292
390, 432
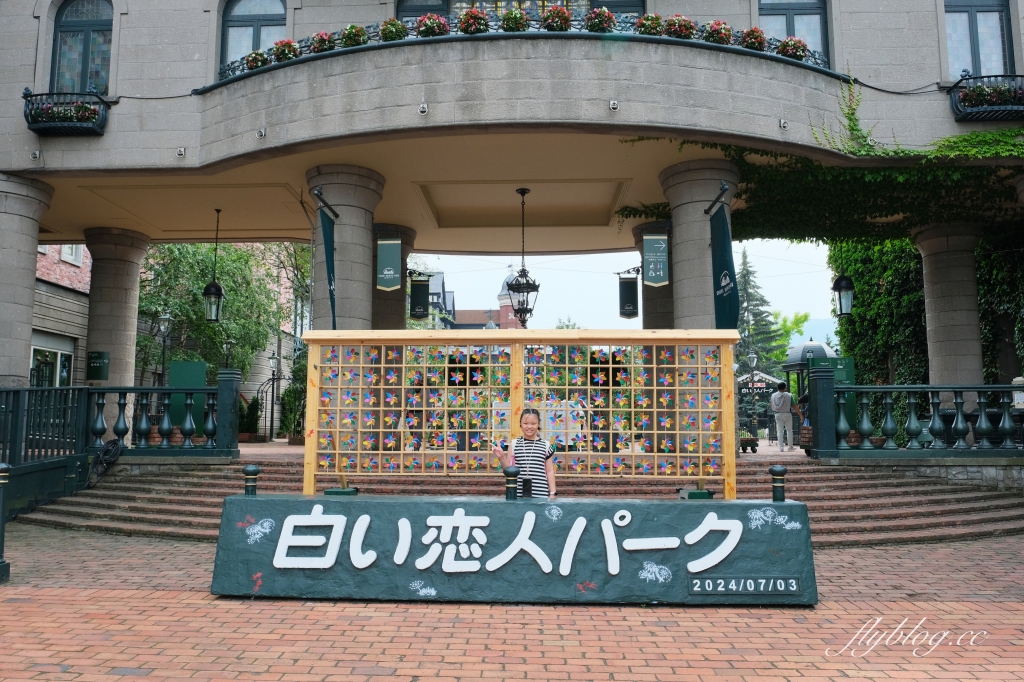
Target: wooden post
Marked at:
728, 423
518, 392
312, 400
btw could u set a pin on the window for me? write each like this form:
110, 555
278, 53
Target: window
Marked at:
81, 46
251, 25
71, 253
410, 9
42, 248
804, 19
50, 368
978, 37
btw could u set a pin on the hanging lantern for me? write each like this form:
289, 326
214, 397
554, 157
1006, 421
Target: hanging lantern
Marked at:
213, 294
523, 290
629, 304
842, 296
419, 296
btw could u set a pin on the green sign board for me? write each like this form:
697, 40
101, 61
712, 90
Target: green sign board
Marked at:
656, 260
97, 367
187, 374
727, 296
389, 264
489, 550
419, 298
629, 305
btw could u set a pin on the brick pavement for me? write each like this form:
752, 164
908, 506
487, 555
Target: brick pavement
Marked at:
84, 606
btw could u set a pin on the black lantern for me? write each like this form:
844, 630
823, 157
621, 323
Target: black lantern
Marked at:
842, 296
752, 359
522, 290
213, 294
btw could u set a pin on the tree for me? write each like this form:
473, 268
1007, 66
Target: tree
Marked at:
567, 323
788, 326
760, 330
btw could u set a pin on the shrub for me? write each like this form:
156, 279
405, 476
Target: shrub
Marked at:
794, 48
650, 25
717, 32
256, 59
556, 18
431, 25
251, 422
322, 42
754, 39
393, 29
285, 50
354, 36
679, 26
514, 21
473, 21
600, 20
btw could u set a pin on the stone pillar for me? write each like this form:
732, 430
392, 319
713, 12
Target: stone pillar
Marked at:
658, 311
690, 187
114, 298
22, 203
389, 306
354, 192
951, 302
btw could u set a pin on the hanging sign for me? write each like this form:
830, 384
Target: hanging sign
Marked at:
327, 226
727, 296
628, 298
656, 260
419, 298
389, 264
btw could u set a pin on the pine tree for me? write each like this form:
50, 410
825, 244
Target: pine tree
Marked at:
759, 330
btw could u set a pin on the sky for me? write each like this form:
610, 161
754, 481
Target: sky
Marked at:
794, 278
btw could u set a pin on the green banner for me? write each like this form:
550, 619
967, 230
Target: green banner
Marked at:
327, 227
419, 298
628, 298
727, 296
656, 260
389, 264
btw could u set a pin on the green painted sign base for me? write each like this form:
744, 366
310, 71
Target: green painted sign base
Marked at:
5, 571
478, 549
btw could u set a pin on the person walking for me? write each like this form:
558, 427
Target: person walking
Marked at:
782, 406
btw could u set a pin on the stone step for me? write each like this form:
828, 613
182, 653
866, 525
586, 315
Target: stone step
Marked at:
41, 518
928, 509
916, 522
142, 518
943, 534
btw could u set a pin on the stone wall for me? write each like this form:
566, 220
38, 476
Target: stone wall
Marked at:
1000, 476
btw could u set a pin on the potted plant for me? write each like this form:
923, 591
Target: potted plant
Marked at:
794, 48
600, 20
249, 420
256, 59
514, 21
393, 29
322, 42
354, 36
556, 18
650, 25
473, 21
432, 25
285, 50
678, 26
717, 32
754, 39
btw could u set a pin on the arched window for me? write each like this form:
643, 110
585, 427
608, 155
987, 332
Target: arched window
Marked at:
804, 19
81, 46
251, 25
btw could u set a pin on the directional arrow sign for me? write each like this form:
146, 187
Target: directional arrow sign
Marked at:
655, 260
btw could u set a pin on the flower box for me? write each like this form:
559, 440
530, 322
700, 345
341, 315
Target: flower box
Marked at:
64, 114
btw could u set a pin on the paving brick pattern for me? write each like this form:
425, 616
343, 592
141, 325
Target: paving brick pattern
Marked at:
85, 606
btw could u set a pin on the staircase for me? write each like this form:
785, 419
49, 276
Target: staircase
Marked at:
848, 505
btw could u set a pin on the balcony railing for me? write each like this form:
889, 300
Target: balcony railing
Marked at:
65, 113
988, 98
38, 424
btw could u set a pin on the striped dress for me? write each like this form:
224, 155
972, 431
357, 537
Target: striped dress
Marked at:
530, 456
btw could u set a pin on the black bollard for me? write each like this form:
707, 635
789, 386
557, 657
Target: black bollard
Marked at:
778, 473
250, 471
511, 474
5, 567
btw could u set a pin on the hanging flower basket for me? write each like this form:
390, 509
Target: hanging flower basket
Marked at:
354, 36
322, 42
600, 20
794, 48
393, 29
473, 21
256, 59
650, 25
285, 50
679, 26
514, 21
754, 39
556, 18
432, 25
717, 32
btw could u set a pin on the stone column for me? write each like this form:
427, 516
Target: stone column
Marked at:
658, 307
354, 192
690, 187
22, 203
951, 302
114, 298
389, 306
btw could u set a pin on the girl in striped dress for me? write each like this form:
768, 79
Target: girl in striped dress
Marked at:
532, 454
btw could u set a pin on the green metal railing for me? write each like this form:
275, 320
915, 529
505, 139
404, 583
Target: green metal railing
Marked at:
38, 424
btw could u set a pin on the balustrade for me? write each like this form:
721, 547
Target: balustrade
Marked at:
143, 417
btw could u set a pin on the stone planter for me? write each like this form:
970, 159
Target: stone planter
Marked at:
854, 439
296, 440
245, 438
877, 441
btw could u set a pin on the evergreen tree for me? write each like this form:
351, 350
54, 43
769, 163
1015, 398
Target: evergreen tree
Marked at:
759, 330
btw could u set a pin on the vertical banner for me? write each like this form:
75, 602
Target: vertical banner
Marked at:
628, 297
656, 260
389, 264
327, 226
419, 298
727, 296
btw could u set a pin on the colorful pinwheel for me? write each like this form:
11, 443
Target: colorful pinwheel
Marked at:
666, 467
412, 421
598, 355
667, 445
348, 420
618, 464
369, 463
454, 462
711, 355
332, 355
687, 422
391, 377
413, 377
641, 377
456, 399
621, 398
434, 463
369, 420
643, 355
330, 374
622, 441
327, 420
475, 441
372, 355
434, 377
369, 441
456, 377
622, 376
391, 419
690, 401
415, 355
712, 376
621, 355
391, 398
689, 467
349, 397
504, 357
478, 419
369, 398
690, 443
599, 377
665, 356
554, 375
351, 356
412, 443
578, 464
478, 354
477, 376
599, 442
577, 376
437, 439
619, 421
350, 376
347, 462
394, 355
687, 378
644, 466
667, 399
537, 355
687, 354
326, 461
601, 466
453, 441
326, 440
665, 422
599, 399
599, 421
710, 421
412, 398
436, 419
643, 401
711, 467
392, 464
326, 398
457, 420
435, 398
458, 357
476, 462
411, 463
575, 355
372, 378
555, 356
642, 421
710, 401
501, 377
645, 444
665, 378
